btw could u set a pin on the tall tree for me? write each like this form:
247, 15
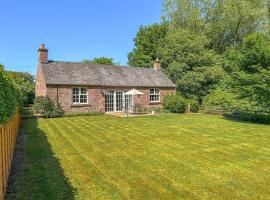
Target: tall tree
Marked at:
147, 41
190, 64
224, 22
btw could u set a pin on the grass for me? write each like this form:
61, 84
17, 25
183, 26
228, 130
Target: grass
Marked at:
152, 157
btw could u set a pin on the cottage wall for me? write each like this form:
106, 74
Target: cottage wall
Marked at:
96, 99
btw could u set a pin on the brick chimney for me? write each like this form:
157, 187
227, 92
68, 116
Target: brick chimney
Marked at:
157, 64
42, 54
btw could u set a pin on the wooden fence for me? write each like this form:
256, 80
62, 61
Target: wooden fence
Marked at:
8, 135
212, 110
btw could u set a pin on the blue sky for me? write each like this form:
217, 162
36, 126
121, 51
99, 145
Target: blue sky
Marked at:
72, 29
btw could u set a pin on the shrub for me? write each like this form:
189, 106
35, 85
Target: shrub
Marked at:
228, 100
46, 108
9, 96
261, 118
194, 105
174, 104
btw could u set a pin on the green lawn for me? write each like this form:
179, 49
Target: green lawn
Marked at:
152, 157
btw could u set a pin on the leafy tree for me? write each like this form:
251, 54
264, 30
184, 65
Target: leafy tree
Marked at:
190, 64
146, 43
224, 22
101, 60
250, 80
25, 82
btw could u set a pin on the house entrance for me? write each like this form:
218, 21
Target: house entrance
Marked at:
117, 101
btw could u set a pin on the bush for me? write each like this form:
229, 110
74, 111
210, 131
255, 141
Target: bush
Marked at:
228, 100
261, 118
46, 108
10, 97
194, 105
174, 104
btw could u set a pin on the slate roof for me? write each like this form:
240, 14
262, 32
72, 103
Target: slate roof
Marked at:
72, 73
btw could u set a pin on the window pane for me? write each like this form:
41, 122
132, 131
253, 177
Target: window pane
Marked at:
75, 90
83, 90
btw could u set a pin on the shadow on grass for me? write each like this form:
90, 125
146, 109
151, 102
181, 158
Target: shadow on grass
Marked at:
36, 172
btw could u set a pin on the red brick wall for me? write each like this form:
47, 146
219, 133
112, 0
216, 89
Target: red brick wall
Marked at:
40, 88
96, 100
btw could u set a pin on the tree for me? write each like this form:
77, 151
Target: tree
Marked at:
224, 22
249, 81
25, 83
101, 60
190, 64
147, 41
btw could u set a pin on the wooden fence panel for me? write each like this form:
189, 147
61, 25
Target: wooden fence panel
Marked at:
8, 136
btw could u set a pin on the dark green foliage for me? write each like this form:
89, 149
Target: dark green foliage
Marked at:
25, 83
194, 68
255, 117
174, 104
194, 105
147, 41
46, 108
9, 96
101, 60
228, 100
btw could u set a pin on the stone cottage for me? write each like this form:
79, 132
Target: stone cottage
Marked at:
79, 87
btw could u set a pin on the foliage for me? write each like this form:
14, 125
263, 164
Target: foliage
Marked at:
194, 68
46, 108
25, 83
251, 80
147, 41
174, 103
226, 99
101, 60
194, 105
255, 117
10, 97
225, 23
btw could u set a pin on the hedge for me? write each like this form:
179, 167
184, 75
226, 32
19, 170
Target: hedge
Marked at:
255, 117
9, 96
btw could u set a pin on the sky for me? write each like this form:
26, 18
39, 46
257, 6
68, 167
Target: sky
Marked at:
72, 30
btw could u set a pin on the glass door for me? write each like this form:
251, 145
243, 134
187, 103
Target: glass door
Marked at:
128, 102
109, 101
119, 101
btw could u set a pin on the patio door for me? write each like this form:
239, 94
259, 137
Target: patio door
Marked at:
117, 101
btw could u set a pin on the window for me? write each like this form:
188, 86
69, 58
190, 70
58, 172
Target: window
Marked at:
154, 95
80, 95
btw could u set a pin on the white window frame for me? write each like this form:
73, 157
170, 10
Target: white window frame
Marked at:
79, 95
154, 94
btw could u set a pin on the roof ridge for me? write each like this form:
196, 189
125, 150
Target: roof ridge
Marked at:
74, 62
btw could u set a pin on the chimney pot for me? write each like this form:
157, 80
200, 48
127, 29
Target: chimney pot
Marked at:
42, 54
157, 64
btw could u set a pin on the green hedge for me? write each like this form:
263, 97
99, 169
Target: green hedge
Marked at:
255, 117
9, 96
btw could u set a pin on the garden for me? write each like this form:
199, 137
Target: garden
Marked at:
167, 156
